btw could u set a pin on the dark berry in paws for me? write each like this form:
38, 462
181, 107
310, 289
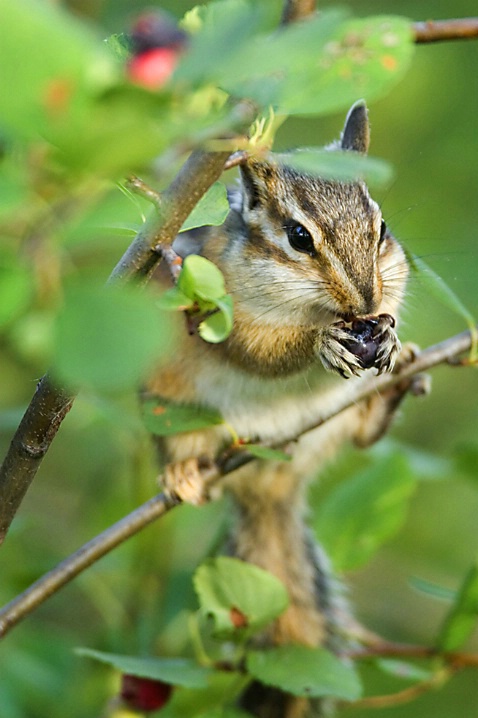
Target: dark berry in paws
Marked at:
364, 340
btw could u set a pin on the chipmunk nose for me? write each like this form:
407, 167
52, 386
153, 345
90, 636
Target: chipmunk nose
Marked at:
366, 301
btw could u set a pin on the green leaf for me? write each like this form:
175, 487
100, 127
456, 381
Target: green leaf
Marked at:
108, 337
439, 289
403, 670
218, 326
302, 671
239, 596
362, 513
176, 671
201, 279
265, 452
461, 620
338, 165
212, 208
362, 58
164, 418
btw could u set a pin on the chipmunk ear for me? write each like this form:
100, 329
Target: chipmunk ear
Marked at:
356, 132
256, 177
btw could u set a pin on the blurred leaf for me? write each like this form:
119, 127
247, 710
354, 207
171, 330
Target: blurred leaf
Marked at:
432, 589
165, 418
218, 326
108, 337
338, 165
438, 288
239, 596
212, 208
403, 670
175, 671
356, 518
303, 671
362, 58
423, 464
461, 620
201, 279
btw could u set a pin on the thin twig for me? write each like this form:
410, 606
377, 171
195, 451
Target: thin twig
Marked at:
407, 694
388, 649
437, 30
36, 594
236, 159
139, 187
88, 554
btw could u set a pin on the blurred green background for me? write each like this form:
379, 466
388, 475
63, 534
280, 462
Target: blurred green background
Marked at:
98, 469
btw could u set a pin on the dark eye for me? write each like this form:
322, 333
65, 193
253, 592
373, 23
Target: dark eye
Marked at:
300, 238
383, 231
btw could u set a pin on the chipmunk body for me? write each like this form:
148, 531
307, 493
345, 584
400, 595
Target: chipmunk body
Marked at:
302, 257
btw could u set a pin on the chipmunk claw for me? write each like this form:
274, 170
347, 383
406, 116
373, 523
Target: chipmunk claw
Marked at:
184, 480
334, 354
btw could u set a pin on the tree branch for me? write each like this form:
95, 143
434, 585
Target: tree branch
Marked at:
437, 30
50, 404
447, 351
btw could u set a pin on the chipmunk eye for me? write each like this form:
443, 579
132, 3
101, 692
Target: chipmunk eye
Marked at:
383, 231
300, 238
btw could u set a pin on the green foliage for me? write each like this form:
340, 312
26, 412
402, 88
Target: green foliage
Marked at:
211, 209
72, 126
302, 671
359, 515
164, 418
308, 68
240, 597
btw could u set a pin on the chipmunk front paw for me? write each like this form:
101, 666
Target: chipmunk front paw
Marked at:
350, 347
184, 480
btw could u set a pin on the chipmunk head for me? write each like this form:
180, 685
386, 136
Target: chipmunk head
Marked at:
320, 247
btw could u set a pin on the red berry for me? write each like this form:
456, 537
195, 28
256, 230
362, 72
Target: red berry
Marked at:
152, 69
144, 694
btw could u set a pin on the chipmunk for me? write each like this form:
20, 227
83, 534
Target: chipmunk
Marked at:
317, 281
